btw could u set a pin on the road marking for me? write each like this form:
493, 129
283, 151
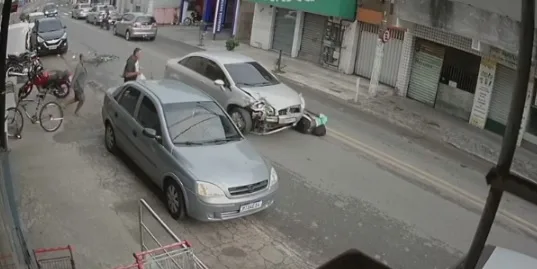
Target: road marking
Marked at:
432, 180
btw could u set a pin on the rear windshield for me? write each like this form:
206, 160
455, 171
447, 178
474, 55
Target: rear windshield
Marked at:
146, 19
49, 7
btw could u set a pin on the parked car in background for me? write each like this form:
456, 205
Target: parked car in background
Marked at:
188, 145
95, 14
256, 100
50, 10
136, 25
80, 11
49, 35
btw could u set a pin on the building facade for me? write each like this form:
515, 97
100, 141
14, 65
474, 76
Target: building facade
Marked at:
461, 59
315, 31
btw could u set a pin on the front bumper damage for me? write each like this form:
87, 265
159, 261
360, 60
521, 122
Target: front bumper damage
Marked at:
266, 123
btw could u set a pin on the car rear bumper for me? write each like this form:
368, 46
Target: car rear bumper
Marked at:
143, 33
203, 211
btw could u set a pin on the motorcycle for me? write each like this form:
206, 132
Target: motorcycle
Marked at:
56, 80
16, 64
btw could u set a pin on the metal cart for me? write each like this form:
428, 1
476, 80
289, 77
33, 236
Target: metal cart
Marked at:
55, 258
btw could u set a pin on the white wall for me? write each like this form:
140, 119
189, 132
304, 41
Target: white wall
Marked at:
262, 27
17, 38
349, 48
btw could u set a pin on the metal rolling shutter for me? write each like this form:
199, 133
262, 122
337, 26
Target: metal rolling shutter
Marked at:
312, 37
284, 29
425, 74
366, 50
500, 101
366, 54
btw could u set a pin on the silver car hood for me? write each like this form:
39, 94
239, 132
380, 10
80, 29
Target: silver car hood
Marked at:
278, 96
227, 165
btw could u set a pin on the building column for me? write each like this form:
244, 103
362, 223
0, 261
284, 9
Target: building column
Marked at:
349, 47
262, 26
483, 92
405, 63
527, 107
297, 36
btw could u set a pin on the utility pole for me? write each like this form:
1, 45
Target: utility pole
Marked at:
379, 54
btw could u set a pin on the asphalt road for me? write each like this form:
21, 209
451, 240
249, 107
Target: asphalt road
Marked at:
336, 192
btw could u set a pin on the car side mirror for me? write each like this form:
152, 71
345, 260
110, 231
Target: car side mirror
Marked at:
151, 133
220, 83
65, 27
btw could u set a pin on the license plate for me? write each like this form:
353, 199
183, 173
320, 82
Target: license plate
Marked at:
287, 120
146, 26
251, 206
53, 47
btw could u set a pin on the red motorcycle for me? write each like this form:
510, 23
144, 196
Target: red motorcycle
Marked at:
57, 81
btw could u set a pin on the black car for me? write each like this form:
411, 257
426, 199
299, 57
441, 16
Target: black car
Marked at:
50, 10
49, 36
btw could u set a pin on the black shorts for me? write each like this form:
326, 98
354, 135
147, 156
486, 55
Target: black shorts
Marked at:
79, 95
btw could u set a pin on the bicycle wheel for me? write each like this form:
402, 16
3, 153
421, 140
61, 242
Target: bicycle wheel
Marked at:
51, 116
14, 121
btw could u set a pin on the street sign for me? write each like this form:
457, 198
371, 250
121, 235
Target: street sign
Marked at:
386, 36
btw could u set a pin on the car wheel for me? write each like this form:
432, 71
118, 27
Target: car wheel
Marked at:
174, 199
110, 139
242, 118
127, 36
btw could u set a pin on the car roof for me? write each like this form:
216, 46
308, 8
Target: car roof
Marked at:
172, 91
224, 57
48, 19
49, 5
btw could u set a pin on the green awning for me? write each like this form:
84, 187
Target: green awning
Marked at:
345, 9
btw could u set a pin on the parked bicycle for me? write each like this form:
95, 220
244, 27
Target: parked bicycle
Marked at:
49, 115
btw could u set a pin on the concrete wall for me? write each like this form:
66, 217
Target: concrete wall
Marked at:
246, 18
454, 101
472, 21
349, 47
262, 27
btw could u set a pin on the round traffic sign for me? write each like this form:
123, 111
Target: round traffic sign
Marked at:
386, 36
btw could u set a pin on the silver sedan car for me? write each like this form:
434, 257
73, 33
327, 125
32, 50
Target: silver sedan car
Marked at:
80, 11
188, 145
256, 100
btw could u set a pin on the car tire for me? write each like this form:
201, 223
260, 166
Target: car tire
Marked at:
175, 202
242, 118
128, 36
110, 139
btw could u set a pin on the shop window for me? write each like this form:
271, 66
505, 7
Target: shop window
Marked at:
460, 69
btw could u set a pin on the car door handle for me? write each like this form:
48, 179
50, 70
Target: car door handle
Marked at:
134, 133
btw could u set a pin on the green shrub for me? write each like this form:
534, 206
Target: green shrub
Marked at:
231, 44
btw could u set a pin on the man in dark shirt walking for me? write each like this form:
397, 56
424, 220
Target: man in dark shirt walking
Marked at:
132, 71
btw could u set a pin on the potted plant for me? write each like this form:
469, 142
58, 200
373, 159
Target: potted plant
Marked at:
231, 44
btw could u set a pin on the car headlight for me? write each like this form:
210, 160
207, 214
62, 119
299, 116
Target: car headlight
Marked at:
64, 36
273, 177
208, 190
270, 110
46, 12
259, 105
40, 40
302, 101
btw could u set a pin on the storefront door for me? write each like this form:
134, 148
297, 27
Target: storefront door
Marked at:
501, 99
425, 73
312, 37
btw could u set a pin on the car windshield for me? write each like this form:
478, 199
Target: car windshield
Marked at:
84, 6
250, 74
198, 123
145, 19
49, 26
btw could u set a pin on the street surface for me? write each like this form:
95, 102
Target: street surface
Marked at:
368, 185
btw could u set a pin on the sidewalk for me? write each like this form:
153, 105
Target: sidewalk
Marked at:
424, 120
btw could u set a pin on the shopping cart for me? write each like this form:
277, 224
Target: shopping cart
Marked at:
174, 256
55, 258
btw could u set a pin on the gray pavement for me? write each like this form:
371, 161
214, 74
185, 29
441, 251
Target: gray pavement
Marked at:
406, 200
